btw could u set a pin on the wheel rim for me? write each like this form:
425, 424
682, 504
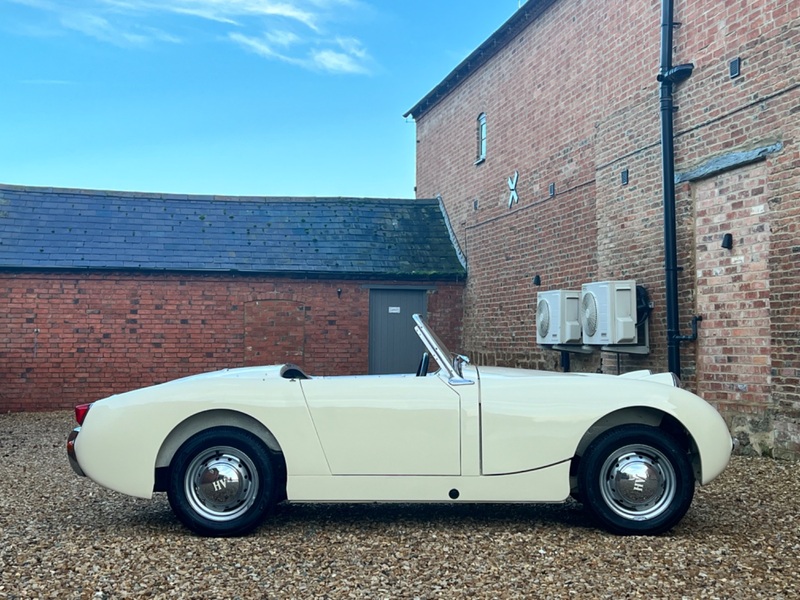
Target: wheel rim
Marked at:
221, 483
638, 482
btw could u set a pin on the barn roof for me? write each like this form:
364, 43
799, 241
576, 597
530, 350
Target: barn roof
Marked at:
51, 228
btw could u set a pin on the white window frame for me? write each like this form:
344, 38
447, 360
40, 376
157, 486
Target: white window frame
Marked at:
481, 134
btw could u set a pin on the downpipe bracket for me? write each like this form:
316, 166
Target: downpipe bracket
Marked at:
693, 337
676, 75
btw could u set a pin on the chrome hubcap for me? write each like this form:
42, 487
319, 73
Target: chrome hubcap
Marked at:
221, 483
638, 482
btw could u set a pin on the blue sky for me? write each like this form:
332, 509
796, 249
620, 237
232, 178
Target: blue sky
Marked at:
238, 97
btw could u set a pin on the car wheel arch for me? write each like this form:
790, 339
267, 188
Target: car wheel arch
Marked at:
208, 420
642, 415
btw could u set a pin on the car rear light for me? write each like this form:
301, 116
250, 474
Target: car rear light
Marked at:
80, 412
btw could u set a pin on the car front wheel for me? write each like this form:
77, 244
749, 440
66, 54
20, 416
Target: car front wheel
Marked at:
636, 480
221, 482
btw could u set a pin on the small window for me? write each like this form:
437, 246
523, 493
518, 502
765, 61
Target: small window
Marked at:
481, 130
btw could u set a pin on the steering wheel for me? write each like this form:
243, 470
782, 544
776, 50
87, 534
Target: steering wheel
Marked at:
422, 369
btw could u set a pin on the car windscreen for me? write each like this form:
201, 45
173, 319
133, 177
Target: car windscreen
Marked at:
439, 350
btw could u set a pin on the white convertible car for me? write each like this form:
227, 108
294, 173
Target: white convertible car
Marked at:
227, 446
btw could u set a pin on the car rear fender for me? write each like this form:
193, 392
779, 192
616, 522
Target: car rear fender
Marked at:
208, 420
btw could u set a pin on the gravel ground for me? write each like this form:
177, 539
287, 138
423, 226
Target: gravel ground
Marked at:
65, 537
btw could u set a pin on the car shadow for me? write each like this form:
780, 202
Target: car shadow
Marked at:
444, 515
307, 520
304, 518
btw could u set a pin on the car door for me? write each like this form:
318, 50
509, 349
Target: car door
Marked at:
386, 424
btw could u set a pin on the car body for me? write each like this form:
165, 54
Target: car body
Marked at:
227, 446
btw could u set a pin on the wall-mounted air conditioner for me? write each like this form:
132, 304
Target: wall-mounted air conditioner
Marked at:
608, 312
557, 319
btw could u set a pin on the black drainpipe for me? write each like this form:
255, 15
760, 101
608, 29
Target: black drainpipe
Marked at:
669, 77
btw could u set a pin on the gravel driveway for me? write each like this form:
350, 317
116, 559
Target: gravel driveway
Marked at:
65, 537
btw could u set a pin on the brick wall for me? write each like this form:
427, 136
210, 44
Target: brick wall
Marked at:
733, 290
573, 101
71, 338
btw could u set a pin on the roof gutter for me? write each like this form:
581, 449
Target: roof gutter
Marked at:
507, 32
222, 272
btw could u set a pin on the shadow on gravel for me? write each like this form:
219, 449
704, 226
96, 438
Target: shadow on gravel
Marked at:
156, 516
380, 514
124, 515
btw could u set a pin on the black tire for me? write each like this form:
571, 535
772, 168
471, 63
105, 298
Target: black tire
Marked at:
636, 480
221, 482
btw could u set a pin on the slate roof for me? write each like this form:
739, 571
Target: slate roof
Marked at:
50, 228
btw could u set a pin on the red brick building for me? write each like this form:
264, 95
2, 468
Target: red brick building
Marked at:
545, 147
101, 292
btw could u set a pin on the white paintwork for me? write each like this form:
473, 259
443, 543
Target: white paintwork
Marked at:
544, 485
406, 426
121, 435
492, 434
561, 408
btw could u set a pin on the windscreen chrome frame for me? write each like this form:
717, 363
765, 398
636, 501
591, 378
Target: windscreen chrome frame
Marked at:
449, 361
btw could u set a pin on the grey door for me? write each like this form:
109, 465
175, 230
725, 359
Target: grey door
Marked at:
393, 345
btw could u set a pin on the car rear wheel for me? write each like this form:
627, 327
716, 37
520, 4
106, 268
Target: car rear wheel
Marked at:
636, 480
221, 482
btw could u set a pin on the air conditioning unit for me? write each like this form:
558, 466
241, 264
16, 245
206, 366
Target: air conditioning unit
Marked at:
557, 320
608, 312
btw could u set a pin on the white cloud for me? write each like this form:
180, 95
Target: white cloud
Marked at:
282, 38
99, 28
352, 46
337, 62
238, 11
291, 31
259, 46
341, 56
350, 57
